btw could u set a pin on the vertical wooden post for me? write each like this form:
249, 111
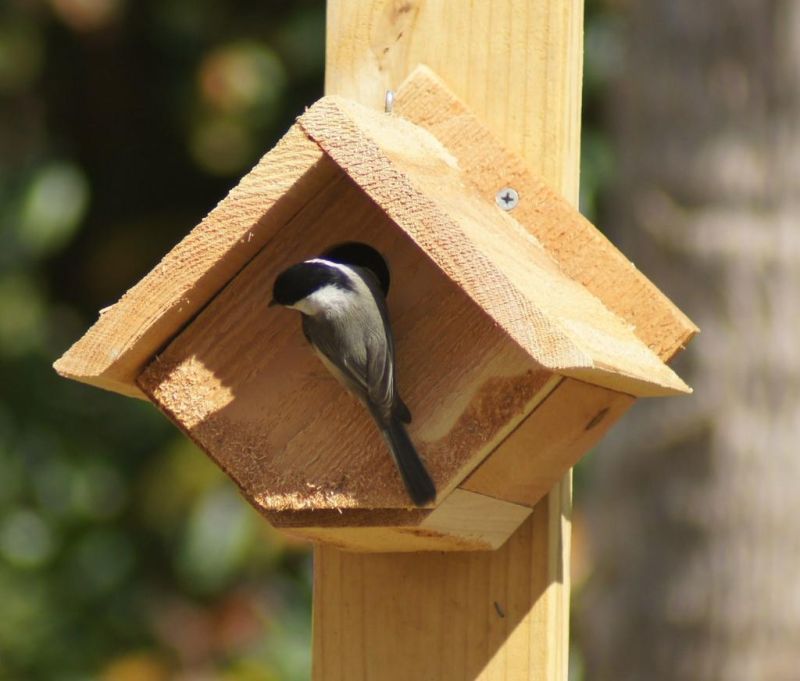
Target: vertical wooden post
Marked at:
457, 617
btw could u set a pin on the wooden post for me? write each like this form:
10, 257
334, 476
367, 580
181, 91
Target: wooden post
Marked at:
491, 615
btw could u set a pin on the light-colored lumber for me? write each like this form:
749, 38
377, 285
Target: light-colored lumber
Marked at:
500, 265
476, 321
565, 426
510, 60
523, 468
465, 521
242, 382
580, 250
474, 615
128, 334
499, 615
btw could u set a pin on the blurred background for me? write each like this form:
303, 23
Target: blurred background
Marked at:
126, 556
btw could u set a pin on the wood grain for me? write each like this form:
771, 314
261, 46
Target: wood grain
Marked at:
495, 261
465, 521
127, 335
474, 615
566, 425
243, 383
481, 311
511, 61
580, 249
459, 617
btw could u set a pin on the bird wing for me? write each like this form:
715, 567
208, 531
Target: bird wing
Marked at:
380, 374
380, 353
369, 373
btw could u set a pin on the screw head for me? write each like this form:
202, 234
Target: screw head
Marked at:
507, 198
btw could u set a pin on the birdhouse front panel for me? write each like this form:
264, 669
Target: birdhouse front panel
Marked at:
243, 382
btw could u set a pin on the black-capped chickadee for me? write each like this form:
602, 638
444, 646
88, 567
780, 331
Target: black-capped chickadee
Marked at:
346, 321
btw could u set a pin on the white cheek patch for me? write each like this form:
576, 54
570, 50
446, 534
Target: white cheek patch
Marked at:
330, 299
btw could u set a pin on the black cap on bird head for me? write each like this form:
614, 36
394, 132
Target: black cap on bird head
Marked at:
301, 280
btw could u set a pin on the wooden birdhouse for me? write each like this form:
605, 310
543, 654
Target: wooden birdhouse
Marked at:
517, 331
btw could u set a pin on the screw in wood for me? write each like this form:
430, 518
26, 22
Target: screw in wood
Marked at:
389, 105
507, 198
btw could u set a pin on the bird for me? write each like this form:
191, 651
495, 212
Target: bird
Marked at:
341, 298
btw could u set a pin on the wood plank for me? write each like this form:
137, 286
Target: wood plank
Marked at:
489, 53
500, 265
243, 383
465, 521
524, 468
581, 251
420, 616
473, 615
127, 335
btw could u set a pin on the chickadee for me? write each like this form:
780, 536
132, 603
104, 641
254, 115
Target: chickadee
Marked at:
346, 321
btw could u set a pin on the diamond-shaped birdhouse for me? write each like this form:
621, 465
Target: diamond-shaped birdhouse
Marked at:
515, 330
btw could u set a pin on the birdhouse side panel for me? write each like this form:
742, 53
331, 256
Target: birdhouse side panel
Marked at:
552, 439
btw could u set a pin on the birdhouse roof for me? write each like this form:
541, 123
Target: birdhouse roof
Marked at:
422, 188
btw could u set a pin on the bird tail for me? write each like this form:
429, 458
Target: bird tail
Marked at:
416, 478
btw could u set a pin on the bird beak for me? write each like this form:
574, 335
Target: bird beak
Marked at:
272, 303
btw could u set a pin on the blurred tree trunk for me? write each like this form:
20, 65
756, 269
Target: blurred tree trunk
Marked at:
695, 513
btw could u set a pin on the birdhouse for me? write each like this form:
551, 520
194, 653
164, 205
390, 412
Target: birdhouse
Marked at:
515, 325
